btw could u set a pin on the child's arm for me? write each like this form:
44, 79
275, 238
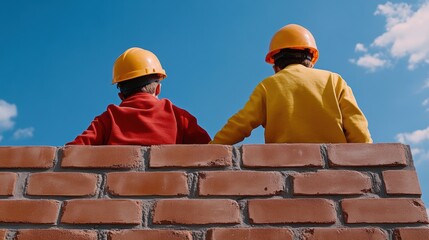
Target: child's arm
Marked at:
94, 135
192, 132
243, 122
354, 121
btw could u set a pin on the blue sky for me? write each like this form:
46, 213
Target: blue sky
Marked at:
56, 61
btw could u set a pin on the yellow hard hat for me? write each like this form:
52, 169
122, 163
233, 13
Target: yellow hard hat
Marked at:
295, 37
136, 62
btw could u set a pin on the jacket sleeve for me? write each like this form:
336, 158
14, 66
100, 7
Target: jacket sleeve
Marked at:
192, 132
355, 124
94, 135
240, 125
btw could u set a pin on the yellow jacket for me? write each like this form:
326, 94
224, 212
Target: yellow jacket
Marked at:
299, 105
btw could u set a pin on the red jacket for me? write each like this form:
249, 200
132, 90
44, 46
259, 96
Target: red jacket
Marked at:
143, 119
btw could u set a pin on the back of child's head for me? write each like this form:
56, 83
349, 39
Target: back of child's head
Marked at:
137, 70
290, 56
146, 84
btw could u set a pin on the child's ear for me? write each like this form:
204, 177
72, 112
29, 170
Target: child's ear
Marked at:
121, 96
158, 90
276, 69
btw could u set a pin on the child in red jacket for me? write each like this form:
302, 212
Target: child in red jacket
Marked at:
141, 118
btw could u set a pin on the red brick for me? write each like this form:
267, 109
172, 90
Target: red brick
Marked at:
7, 183
102, 212
282, 155
147, 183
237, 183
55, 234
365, 154
249, 234
391, 210
3, 233
117, 157
310, 210
27, 157
29, 211
401, 182
62, 184
190, 156
150, 235
345, 234
331, 182
186, 211
411, 233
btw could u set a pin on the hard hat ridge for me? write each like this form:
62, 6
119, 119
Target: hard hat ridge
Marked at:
292, 36
136, 62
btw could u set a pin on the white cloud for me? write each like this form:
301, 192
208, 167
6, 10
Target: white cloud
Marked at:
371, 62
360, 48
7, 112
394, 12
426, 85
415, 137
416, 151
422, 156
419, 143
23, 133
425, 102
406, 35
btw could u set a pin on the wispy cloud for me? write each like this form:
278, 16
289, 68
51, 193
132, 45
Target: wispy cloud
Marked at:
420, 157
425, 104
416, 151
406, 35
395, 13
360, 47
426, 84
415, 137
23, 133
419, 142
371, 62
7, 112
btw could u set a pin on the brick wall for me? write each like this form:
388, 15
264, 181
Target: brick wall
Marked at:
211, 192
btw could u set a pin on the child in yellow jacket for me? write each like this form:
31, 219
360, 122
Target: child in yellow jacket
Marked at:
298, 104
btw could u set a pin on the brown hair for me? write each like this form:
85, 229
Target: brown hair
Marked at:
146, 84
288, 56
